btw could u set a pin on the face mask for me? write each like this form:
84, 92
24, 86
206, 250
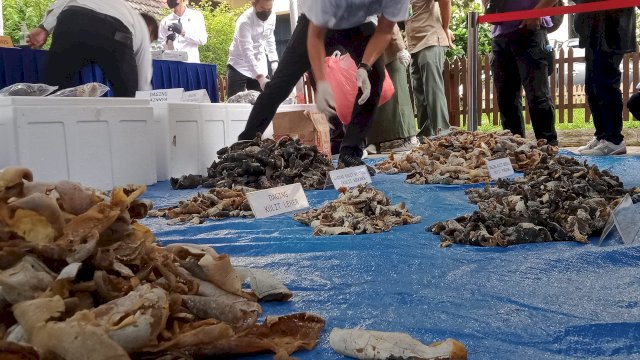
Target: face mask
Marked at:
263, 15
172, 3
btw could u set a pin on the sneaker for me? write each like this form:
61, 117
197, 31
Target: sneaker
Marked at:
348, 160
365, 154
605, 147
590, 145
371, 149
414, 141
405, 147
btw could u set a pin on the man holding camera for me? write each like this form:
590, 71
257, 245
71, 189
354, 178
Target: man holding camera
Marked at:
184, 28
520, 59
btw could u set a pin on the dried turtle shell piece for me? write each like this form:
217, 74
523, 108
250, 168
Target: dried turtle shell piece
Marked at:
361, 210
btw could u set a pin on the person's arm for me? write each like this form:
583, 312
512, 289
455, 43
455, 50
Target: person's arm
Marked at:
535, 23
316, 50
271, 43
143, 55
198, 32
38, 36
445, 16
377, 43
246, 47
162, 32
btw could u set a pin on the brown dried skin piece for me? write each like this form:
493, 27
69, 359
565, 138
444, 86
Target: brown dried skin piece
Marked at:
25, 281
281, 335
558, 200
215, 204
361, 210
14, 351
12, 182
460, 157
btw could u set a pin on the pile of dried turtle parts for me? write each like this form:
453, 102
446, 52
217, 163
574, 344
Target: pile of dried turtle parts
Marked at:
215, 204
558, 200
361, 210
460, 157
81, 279
263, 164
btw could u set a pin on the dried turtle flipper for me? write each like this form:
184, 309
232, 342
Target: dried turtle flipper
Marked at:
266, 286
25, 280
74, 339
377, 345
228, 309
12, 181
218, 271
135, 320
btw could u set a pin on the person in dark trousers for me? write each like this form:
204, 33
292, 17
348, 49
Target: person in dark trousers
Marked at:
352, 22
108, 33
634, 105
606, 37
520, 59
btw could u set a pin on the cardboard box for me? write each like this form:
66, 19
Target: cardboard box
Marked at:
311, 128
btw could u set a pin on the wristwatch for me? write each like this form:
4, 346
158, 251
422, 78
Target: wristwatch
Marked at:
366, 67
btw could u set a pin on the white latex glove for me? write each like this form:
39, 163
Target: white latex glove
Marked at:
363, 83
324, 99
274, 66
262, 80
404, 57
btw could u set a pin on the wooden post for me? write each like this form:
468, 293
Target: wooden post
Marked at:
561, 86
570, 86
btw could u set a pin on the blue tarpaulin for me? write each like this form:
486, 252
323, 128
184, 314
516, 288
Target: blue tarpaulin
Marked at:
562, 300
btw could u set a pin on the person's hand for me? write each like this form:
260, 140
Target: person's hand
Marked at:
37, 38
451, 37
171, 37
404, 57
176, 28
324, 99
274, 66
362, 78
262, 80
531, 24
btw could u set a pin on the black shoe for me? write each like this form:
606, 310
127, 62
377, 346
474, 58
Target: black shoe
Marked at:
348, 160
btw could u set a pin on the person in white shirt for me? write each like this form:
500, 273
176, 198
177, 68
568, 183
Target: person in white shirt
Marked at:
108, 33
253, 50
185, 27
365, 42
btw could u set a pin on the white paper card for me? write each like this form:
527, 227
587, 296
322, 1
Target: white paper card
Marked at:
500, 168
161, 96
197, 96
350, 177
276, 201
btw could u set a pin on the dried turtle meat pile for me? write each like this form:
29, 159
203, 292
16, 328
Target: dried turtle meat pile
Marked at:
460, 157
361, 210
263, 164
81, 279
559, 200
215, 204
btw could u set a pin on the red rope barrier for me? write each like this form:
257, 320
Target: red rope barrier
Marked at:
558, 10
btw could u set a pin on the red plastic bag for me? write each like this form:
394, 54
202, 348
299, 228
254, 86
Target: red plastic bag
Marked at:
340, 72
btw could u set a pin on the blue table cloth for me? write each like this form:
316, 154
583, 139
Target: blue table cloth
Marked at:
26, 65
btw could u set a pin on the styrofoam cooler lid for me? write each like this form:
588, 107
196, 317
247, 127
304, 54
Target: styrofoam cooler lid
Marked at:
70, 101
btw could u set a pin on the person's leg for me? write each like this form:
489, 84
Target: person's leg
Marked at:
418, 90
292, 66
609, 96
533, 66
431, 61
116, 58
236, 81
253, 84
591, 91
634, 105
506, 78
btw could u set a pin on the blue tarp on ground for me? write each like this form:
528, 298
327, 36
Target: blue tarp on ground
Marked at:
535, 301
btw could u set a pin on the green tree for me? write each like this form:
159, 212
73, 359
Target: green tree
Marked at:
221, 24
459, 10
15, 12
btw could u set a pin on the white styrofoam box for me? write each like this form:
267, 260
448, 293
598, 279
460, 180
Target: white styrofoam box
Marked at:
237, 116
162, 139
97, 146
197, 132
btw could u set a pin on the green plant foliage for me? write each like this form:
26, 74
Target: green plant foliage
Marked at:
221, 25
15, 12
459, 11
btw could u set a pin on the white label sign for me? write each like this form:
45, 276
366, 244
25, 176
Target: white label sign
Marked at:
161, 96
500, 168
196, 96
350, 177
276, 201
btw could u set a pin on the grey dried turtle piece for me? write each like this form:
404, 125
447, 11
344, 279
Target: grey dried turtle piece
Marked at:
266, 286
